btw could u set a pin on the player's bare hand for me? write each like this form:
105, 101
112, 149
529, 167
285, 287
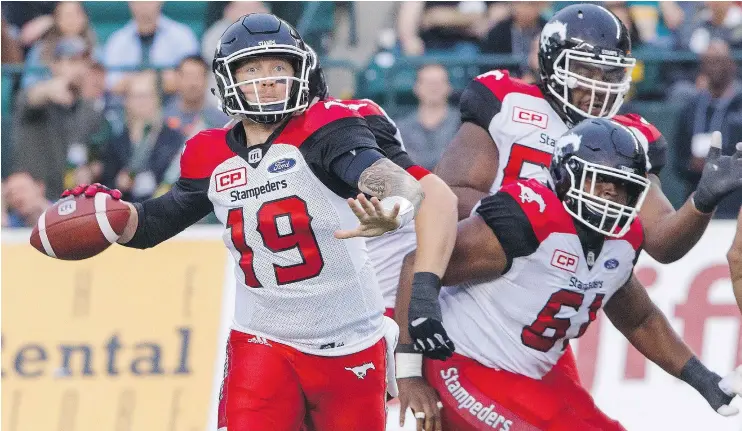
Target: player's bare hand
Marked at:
415, 393
374, 220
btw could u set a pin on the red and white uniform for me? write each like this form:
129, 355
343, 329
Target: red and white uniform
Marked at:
388, 251
516, 328
306, 347
525, 128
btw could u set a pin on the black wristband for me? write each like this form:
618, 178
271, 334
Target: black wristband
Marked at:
405, 348
424, 302
701, 206
706, 382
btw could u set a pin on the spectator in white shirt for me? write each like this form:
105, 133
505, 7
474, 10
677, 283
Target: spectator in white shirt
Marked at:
149, 40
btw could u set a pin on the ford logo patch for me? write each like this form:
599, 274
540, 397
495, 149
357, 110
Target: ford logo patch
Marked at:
611, 264
281, 165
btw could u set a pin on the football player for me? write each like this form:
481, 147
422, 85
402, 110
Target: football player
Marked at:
434, 231
531, 268
509, 129
309, 344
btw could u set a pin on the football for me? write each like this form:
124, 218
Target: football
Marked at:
77, 228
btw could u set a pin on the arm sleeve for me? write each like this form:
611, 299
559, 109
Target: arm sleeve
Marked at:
162, 218
335, 139
340, 137
349, 167
510, 224
479, 105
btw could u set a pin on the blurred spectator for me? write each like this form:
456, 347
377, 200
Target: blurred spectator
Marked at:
188, 112
717, 107
24, 200
514, 35
531, 72
441, 26
233, 11
53, 126
30, 20
621, 10
149, 40
70, 20
655, 21
136, 160
94, 91
720, 20
94, 87
427, 132
11, 51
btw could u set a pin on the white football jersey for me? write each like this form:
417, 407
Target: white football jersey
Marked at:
522, 321
296, 283
525, 127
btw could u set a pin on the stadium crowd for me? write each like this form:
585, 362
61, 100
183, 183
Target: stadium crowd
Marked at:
118, 111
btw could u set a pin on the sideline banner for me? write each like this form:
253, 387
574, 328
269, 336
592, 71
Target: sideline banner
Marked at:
124, 341
695, 293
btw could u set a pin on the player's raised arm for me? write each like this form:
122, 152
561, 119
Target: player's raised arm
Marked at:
471, 160
476, 254
435, 223
643, 324
670, 234
156, 220
396, 196
468, 166
734, 256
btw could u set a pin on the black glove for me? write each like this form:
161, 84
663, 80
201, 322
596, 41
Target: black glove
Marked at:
427, 332
721, 176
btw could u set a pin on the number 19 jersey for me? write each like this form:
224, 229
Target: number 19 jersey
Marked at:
280, 205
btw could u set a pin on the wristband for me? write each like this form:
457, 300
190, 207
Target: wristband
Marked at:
406, 209
424, 302
706, 382
701, 208
409, 365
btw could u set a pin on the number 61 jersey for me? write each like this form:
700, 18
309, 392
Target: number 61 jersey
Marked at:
280, 205
550, 292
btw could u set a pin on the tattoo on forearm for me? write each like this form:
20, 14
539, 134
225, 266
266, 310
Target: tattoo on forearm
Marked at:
384, 179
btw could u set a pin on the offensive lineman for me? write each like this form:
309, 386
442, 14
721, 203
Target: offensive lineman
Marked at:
522, 284
509, 129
